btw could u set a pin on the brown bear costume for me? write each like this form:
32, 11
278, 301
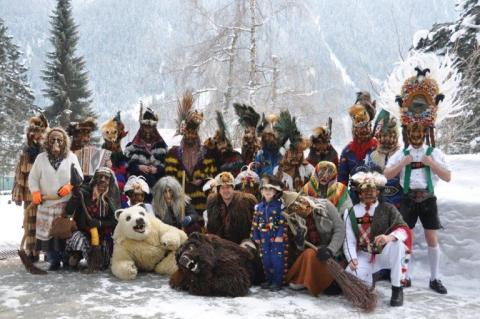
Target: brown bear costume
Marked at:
211, 266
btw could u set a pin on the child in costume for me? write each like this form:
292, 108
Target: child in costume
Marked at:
269, 232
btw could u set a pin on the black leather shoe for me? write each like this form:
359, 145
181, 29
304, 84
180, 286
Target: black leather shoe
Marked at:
397, 297
437, 286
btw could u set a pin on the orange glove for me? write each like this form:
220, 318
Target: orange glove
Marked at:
36, 198
65, 190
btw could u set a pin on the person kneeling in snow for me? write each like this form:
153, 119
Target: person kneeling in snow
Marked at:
376, 235
93, 208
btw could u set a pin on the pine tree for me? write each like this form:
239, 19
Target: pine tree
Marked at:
16, 100
65, 75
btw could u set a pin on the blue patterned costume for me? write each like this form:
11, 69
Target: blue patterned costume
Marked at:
268, 224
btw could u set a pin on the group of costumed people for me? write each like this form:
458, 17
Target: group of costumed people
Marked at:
296, 214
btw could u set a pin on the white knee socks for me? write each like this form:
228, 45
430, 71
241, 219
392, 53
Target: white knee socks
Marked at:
434, 258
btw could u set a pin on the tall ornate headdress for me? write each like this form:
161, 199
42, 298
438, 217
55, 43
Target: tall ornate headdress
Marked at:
420, 100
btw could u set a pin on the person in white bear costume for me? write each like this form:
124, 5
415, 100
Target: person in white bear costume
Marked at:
143, 242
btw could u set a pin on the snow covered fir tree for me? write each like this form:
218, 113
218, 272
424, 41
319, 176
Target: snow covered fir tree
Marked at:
65, 75
16, 99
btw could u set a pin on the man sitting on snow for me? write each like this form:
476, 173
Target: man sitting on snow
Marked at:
376, 234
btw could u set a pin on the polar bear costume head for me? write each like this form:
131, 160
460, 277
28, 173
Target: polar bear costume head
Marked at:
133, 223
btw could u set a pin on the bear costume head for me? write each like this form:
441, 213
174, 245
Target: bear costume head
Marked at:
133, 223
211, 266
196, 255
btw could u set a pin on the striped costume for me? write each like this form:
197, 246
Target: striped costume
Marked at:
204, 169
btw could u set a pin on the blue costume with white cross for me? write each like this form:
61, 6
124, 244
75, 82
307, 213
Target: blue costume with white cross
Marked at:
268, 224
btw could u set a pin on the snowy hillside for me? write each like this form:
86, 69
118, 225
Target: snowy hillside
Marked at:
326, 49
66, 294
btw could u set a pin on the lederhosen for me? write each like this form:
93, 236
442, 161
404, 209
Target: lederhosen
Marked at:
419, 203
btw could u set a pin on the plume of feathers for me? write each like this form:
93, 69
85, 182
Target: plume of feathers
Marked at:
184, 107
287, 130
440, 68
247, 116
222, 127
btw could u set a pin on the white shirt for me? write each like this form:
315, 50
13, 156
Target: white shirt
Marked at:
418, 178
350, 244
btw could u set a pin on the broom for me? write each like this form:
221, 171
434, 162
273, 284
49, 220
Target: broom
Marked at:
354, 289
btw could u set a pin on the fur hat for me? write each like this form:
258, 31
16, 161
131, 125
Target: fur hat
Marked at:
149, 117
89, 125
270, 181
187, 117
363, 111
37, 123
136, 184
362, 180
224, 178
267, 124
113, 130
322, 133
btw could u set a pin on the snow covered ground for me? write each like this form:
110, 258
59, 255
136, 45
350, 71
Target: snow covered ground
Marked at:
67, 295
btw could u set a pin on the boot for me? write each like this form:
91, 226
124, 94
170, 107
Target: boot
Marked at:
397, 297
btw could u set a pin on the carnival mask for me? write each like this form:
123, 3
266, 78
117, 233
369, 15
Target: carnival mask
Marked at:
362, 133
56, 143
388, 140
416, 135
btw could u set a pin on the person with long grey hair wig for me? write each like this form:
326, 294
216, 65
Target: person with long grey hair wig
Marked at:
173, 207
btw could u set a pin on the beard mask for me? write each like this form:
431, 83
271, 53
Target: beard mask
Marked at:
269, 142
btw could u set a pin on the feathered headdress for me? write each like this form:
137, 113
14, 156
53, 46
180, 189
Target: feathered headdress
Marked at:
420, 100
288, 134
221, 134
247, 117
368, 179
149, 117
187, 118
136, 184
